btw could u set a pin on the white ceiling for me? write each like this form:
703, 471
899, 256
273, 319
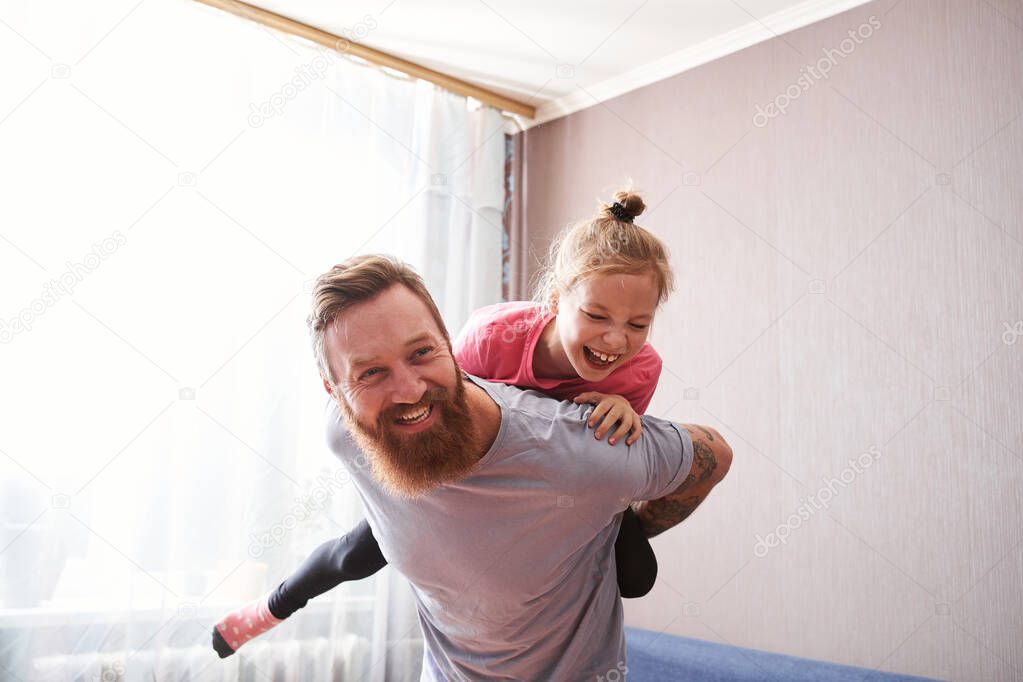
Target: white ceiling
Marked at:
564, 55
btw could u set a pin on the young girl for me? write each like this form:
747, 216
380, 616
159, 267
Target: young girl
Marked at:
583, 340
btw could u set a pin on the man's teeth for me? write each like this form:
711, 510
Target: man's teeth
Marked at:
417, 416
603, 357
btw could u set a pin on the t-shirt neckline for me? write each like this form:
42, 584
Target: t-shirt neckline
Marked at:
502, 427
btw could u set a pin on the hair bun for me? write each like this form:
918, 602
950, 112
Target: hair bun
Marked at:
631, 205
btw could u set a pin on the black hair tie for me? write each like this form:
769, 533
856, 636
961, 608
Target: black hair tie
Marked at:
619, 212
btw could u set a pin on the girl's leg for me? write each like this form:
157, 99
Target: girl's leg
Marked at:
637, 565
354, 556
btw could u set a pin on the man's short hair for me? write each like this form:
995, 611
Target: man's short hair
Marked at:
357, 280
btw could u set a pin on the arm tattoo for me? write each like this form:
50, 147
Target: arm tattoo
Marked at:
657, 516
669, 512
703, 461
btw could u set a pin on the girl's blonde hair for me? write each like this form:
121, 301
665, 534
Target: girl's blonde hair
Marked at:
609, 242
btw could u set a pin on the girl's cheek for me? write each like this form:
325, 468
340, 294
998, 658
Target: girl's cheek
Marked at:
575, 347
584, 340
636, 342
587, 330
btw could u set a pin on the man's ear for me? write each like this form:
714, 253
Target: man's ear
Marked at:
327, 388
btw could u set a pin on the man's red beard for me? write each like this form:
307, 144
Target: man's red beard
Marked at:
410, 465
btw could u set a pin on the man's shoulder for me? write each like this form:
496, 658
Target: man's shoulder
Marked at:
528, 403
531, 404
534, 422
339, 439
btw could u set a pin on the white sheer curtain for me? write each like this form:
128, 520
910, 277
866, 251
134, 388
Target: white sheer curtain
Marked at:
173, 180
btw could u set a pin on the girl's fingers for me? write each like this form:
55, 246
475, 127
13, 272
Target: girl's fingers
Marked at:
636, 432
588, 397
613, 415
621, 430
597, 414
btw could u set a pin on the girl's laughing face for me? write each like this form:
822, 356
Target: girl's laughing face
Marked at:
605, 320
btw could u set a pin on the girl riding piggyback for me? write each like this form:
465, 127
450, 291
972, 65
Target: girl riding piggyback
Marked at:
584, 338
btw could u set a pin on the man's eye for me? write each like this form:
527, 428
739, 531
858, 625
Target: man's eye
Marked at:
370, 373
423, 351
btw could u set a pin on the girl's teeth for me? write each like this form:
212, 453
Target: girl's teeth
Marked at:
607, 359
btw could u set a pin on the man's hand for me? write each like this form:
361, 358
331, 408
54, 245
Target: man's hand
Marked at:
609, 410
712, 458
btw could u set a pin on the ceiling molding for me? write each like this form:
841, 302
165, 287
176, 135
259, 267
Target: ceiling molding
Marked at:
745, 36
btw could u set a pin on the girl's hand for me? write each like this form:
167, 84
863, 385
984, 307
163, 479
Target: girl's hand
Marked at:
609, 410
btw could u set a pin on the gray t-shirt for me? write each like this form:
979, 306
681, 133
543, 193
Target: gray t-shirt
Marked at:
513, 567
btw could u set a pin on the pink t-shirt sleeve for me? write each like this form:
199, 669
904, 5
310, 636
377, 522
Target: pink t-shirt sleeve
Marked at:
482, 348
492, 342
637, 382
469, 349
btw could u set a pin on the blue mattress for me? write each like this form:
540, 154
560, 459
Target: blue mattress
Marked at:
655, 657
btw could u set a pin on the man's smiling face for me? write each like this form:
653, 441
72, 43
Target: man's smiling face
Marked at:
401, 392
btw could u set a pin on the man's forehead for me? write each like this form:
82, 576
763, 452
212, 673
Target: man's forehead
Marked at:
357, 349
388, 322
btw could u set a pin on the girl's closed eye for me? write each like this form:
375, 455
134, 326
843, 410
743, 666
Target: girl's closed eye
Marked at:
601, 318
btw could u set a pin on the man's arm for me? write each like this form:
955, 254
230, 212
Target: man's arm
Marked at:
711, 460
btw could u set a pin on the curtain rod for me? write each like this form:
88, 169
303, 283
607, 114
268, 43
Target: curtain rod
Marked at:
345, 46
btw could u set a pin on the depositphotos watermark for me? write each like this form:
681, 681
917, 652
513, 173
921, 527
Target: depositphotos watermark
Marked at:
308, 73
112, 670
811, 505
615, 674
74, 273
811, 74
1012, 332
305, 508
511, 332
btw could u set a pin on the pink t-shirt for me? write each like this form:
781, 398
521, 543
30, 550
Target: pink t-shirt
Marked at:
498, 341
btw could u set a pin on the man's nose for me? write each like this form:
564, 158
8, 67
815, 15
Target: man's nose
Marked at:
407, 385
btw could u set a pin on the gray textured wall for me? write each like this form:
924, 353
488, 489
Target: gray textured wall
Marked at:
851, 288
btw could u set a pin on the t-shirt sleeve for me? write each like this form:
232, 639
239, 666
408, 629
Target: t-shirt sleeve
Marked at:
664, 458
339, 439
471, 348
646, 374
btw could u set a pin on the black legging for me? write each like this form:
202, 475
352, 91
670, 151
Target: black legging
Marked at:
356, 555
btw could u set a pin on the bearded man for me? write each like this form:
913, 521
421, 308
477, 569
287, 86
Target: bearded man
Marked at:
496, 503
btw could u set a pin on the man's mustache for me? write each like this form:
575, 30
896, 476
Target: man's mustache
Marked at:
436, 394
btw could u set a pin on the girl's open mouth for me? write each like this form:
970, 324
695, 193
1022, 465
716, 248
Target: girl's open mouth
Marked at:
598, 359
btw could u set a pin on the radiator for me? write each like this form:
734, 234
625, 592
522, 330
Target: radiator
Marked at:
314, 660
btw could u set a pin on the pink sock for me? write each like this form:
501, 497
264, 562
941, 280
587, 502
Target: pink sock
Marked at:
240, 626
